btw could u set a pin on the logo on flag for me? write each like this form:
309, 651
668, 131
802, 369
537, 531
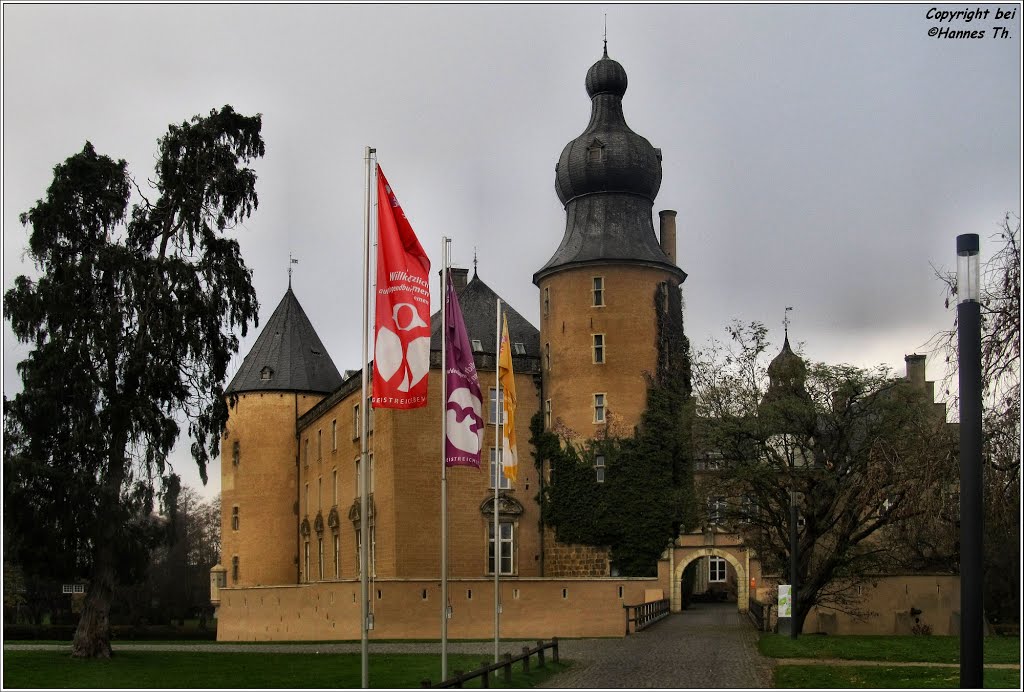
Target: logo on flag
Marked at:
506, 378
464, 409
401, 358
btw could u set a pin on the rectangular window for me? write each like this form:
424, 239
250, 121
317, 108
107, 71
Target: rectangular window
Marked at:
234, 518
716, 569
598, 348
716, 510
320, 555
598, 291
334, 434
496, 402
477, 345
519, 348
337, 556
319, 444
599, 467
306, 497
547, 414
547, 357
599, 408
369, 481
234, 569
235, 453
334, 485
355, 421
320, 492
496, 473
547, 301
505, 534
305, 452
306, 561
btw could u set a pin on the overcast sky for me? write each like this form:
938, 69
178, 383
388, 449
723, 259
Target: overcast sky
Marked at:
819, 156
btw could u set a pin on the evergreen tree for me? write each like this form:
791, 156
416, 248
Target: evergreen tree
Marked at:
131, 322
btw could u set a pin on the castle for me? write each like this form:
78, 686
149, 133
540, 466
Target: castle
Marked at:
291, 449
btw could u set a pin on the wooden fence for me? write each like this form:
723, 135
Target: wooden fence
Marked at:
505, 666
646, 614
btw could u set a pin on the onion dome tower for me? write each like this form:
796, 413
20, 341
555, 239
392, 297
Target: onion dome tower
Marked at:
286, 373
598, 291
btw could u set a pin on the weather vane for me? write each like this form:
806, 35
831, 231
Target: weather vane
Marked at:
474, 260
785, 321
291, 261
606, 34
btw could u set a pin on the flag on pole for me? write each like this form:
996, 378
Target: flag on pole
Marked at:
401, 358
464, 408
509, 461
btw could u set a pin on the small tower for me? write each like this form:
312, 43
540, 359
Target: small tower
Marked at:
285, 374
598, 292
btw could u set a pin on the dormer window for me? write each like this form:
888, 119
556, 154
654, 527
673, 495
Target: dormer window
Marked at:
266, 373
477, 346
595, 152
519, 348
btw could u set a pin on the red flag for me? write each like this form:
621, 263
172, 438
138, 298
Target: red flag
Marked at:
402, 328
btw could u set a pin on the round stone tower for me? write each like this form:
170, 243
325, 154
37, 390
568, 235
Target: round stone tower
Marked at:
598, 292
287, 372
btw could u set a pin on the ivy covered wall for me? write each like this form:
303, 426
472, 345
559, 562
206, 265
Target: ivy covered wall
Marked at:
647, 496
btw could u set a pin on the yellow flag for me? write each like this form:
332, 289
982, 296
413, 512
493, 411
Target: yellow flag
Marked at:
509, 462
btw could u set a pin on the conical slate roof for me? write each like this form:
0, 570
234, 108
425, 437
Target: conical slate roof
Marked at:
287, 356
478, 303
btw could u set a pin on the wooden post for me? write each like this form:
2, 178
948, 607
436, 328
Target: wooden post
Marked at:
458, 678
507, 669
554, 649
485, 679
425, 682
526, 660
540, 654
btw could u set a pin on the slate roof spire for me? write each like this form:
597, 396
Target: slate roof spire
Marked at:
608, 178
287, 356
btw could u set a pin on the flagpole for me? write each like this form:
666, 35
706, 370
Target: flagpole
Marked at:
444, 462
364, 518
498, 452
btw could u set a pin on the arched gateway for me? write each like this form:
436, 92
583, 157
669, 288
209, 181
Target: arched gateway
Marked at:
737, 556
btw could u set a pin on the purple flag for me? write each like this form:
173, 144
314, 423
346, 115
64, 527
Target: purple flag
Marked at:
464, 408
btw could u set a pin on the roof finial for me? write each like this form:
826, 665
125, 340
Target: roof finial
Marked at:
785, 322
606, 34
474, 260
291, 261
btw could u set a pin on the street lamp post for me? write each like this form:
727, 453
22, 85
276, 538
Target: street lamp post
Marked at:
793, 514
968, 315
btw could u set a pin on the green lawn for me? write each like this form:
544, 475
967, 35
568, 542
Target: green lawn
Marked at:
224, 670
931, 649
885, 677
895, 649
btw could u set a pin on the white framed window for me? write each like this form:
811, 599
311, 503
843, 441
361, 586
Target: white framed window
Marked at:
599, 408
477, 345
716, 510
506, 534
337, 556
519, 348
320, 555
598, 292
496, 473
305, 562
599, 348
355, 421
334, 435
334, 486
495, 402
359, 478
716, 569
599, 467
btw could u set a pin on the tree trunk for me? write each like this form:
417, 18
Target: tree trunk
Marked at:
92, 637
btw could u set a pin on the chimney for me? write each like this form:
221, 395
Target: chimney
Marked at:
460, 277
668, 233
915, 370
